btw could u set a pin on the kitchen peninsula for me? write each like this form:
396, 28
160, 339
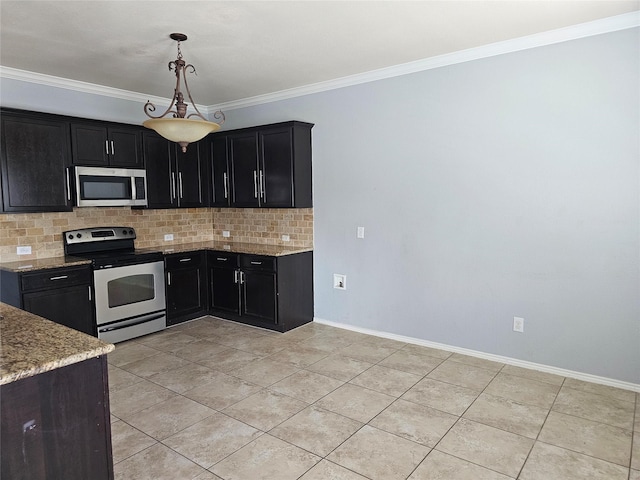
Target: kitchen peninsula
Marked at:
55, 420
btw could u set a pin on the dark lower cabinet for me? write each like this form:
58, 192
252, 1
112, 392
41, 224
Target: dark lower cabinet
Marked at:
269, 292
62, 295
56, 425
186, 286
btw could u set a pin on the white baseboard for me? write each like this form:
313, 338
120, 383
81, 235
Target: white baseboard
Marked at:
489, 356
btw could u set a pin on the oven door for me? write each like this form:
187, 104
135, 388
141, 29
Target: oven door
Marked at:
129, 291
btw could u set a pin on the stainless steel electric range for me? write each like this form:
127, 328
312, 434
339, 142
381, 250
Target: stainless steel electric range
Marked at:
129, 284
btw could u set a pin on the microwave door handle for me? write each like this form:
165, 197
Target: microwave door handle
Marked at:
134, 193
68, 185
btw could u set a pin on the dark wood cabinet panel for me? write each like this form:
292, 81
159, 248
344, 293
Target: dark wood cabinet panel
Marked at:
276, 172
57, 424
94, 143
270, 292
186, 286
259, 295
35, 156
71, 307
160, 181
62, 295
220, 177
270, 166
243, 152
175, 179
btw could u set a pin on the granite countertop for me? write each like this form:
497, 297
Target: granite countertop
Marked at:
43, 263
236, 247
30, 345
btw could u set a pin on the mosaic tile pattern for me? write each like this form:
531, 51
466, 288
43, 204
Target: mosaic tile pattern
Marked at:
42, 231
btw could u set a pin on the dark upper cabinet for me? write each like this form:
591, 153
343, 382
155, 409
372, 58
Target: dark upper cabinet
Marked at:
243, 153
35, 161
175, 179
268, 166
220, 177
106, 145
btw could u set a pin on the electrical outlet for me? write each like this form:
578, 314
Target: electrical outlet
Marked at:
518, 324
339, 281
285, 238
24, 250
226, 233
360, 233
168, 237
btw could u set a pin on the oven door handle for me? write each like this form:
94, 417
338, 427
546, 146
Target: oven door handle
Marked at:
118, 327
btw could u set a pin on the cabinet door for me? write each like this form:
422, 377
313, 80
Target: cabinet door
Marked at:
224, 293
220, 184
70, 306
243, 151
192, 185
160, 176
125, 148
90, 144
276, 168
186, 293
259, 295
36, 154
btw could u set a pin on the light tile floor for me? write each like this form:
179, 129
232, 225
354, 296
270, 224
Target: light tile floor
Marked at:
213, 399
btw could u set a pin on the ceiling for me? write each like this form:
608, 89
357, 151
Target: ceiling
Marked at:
243, 49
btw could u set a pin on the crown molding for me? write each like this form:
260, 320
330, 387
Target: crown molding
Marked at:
574, 32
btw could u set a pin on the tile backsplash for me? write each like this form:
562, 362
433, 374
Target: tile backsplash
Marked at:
43, 231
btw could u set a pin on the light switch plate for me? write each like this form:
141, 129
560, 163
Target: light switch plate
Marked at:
360, 233
24, 250
168, 237
226, 233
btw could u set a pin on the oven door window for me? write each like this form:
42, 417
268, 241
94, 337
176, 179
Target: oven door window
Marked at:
97, 187
130, 289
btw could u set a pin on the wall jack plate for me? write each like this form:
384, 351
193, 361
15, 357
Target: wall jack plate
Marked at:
518, 324
339, 281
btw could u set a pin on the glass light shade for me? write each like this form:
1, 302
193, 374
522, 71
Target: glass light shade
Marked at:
181, 130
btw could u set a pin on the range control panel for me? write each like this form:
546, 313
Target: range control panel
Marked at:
98, 234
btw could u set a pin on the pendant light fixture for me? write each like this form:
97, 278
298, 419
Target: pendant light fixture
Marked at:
180, 127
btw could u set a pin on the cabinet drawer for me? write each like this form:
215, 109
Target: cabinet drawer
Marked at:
258, 262
183, 260
223, 259
56, 278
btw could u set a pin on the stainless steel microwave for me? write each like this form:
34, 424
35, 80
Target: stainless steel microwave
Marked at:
110, 187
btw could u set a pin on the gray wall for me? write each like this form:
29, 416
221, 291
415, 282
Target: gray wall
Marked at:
502, 187
508, 186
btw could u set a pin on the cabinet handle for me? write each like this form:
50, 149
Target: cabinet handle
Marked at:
221, 259
61, 277
255, 184
226, 186
68, 186
235, 276
89, 287
168, 278
185, 259
106, 146
261, 185
256, 263
241, 278
113, 152
180, 183
173, 186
